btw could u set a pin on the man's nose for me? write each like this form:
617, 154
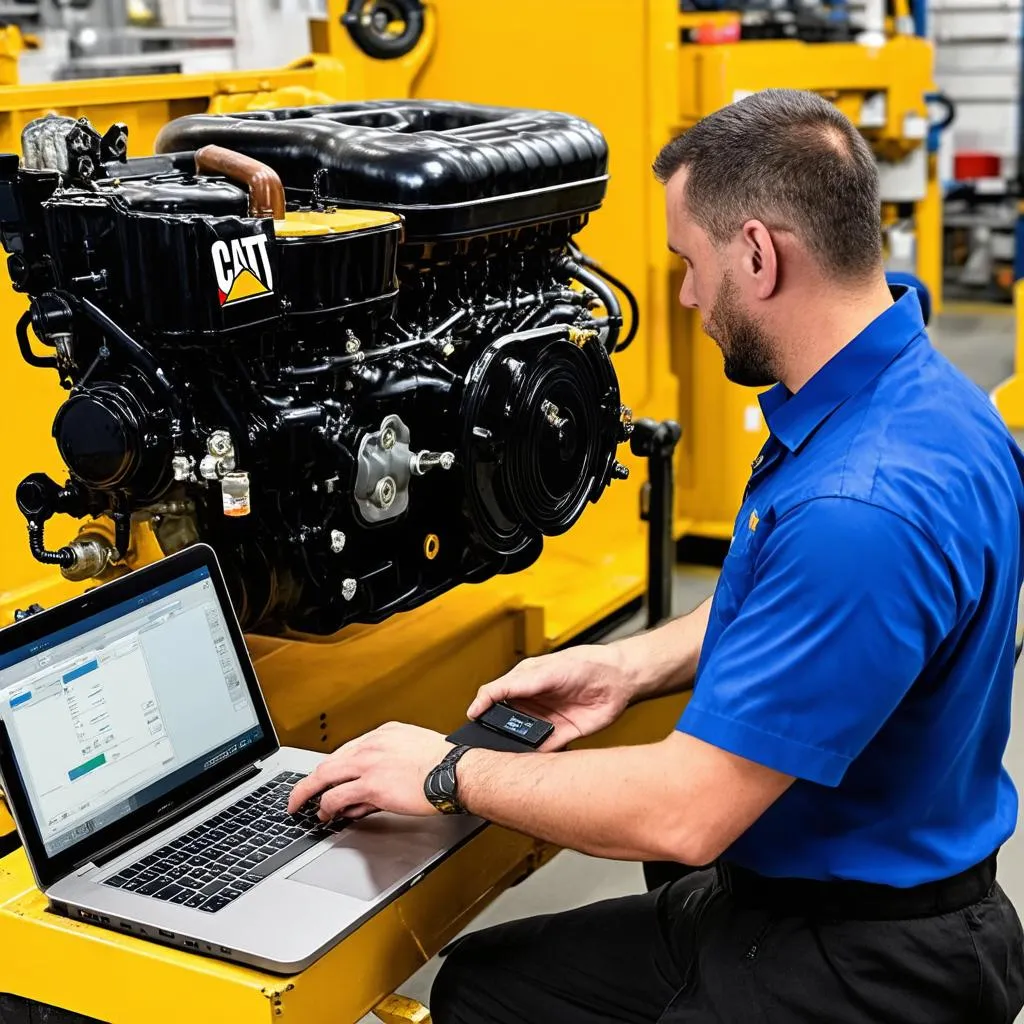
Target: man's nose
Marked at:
687, 294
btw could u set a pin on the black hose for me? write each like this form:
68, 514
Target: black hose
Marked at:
634, 306
603, 292
47, 362
64, 557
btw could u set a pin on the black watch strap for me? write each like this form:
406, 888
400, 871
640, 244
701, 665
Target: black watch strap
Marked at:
441, 786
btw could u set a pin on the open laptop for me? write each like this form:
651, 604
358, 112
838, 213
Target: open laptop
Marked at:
150, 792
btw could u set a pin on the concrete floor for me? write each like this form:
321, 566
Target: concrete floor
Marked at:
982, 346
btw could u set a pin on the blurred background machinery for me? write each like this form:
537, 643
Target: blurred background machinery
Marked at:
640, 72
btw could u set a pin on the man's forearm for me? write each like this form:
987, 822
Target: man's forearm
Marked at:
664, 660
603, 802
680, 799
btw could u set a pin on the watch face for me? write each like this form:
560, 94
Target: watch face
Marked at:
446, 806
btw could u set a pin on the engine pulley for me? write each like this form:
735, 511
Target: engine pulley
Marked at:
109, 437
541, 423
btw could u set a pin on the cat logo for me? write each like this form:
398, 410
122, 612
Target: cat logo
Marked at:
242, 266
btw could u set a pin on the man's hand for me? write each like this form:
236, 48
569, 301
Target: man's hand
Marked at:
584, 689
381, 771
580, 691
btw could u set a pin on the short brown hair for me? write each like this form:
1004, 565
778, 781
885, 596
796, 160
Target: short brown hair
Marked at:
792, 160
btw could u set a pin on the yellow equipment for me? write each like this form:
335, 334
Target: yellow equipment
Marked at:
623, 67
1009, 396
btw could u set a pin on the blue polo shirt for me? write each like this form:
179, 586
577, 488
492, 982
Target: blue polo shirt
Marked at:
861, 636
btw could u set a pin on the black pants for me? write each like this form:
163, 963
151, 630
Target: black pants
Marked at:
695, 952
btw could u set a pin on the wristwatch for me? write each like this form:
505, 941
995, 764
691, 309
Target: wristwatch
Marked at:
441, 786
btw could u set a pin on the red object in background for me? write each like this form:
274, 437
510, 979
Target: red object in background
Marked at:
709, 33
969, 166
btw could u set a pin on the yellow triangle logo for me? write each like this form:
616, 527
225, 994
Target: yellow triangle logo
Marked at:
246, 285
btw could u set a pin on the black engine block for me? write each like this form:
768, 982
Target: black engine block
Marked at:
352, 347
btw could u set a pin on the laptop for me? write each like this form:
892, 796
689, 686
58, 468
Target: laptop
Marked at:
150, 791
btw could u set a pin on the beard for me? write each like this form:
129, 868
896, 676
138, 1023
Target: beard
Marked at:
747, 348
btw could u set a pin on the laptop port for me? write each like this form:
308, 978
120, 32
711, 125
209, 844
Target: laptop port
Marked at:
125, 925
166, 935
224, 949
191, 944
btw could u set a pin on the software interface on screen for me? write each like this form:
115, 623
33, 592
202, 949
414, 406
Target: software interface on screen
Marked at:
118, 710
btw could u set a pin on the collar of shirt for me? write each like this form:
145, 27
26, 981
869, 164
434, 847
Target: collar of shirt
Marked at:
793, 418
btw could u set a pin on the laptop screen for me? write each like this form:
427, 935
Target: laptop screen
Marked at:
115, 711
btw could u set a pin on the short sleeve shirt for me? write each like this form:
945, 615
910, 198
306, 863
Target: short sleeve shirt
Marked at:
862, 632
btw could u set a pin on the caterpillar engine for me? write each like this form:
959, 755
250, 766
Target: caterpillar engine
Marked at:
351, 347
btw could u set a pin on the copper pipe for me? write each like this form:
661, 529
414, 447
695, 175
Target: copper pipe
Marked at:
266, 193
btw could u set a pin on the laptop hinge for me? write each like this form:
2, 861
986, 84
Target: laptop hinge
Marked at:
114, 850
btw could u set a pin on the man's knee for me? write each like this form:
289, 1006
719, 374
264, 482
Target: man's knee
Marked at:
449, 993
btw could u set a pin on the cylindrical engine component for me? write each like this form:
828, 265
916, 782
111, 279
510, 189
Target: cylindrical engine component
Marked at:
110, 437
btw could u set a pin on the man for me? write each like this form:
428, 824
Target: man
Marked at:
840, 759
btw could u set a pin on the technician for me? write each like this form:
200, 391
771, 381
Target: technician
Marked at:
840, 761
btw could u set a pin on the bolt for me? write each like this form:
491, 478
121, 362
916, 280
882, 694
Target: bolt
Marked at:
181, 467
337, 541
626, 419
447, 460
219, 443
388, 438
619, 471
385, 492
352, 343
550, 412
348, 589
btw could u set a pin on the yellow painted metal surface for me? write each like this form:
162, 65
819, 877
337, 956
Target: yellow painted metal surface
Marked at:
1009, 396
401, 1010
6, 821
331, 222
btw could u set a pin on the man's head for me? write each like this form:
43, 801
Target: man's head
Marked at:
768, 197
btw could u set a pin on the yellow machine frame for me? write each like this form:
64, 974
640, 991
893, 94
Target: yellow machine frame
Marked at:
630, 75
1009, 396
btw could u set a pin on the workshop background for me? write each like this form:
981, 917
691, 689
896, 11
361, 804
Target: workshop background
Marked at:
355, 621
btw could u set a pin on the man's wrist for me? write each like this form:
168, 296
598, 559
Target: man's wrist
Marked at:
640, 674
468, 772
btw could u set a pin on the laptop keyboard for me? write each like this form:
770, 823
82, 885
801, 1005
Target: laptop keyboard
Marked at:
231, 852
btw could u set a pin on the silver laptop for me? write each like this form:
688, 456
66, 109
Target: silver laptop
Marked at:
150, 791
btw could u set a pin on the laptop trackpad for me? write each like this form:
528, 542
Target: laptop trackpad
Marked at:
371, 856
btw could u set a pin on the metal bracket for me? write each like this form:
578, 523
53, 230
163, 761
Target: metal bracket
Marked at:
401, 1010
657, 442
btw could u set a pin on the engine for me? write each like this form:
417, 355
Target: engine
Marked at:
351, 347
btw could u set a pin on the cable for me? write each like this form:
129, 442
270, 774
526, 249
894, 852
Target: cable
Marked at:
48, 362
64, 557
634, 306
607, 297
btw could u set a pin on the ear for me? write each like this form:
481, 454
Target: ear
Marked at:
760, 259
